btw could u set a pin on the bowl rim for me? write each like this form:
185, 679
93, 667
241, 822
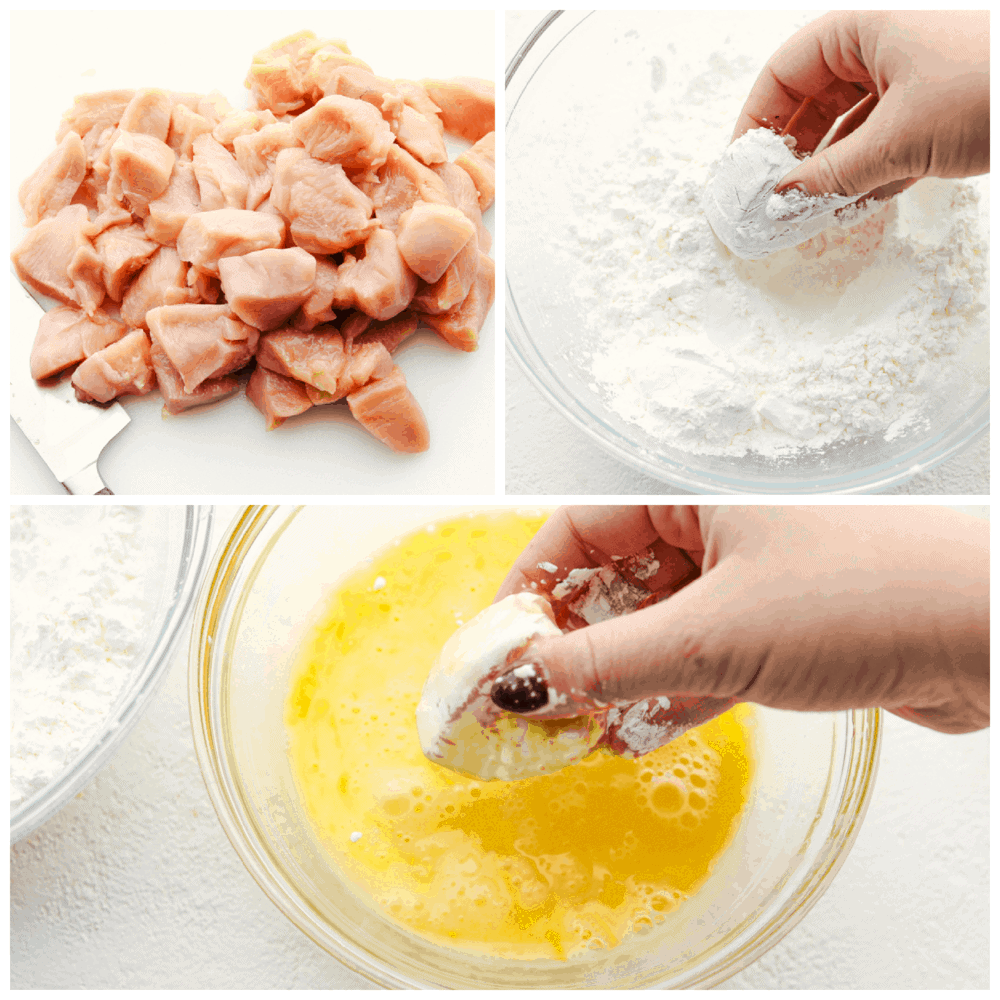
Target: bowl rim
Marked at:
247, 542
941, 446
135, 697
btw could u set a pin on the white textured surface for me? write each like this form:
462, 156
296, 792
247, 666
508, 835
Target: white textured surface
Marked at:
134, 885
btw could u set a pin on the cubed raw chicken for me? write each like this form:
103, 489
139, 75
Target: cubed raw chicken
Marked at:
265, 287
387, 409
417, 98
380, 282
256, 153
277, 73
221, 182
171, 385
202, 341
430, 236
316, 357
238, 123
122, 369
466, 198
327, 294
362, 84
365, 362
123, 251
460, 325
227, 232
162, 282
326, 211
140, 170
390, 333
148, 112
109, 213
453, 286
467, 105
344, 130
419, 135
57, 259
101, 110
67, 335
276, 396
402, 182
206, 287
213, 107
479, 163
325, 62
169, 212
54, 184
185, 126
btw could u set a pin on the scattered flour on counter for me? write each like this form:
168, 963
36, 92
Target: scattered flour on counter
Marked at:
78, 615
859, 331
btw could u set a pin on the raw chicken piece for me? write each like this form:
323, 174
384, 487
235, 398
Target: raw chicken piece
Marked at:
365, 363
479, 163
316, 357
227, 232
276, 396
202, 341
238, 123
205, 286
162, 282
67, 335
325, 62
326, 211
419, 135
460, 325
390, 334
91, 111
148, 112
453, 286
326, 295
109, 213
362, 84
123, 251
277, 73
467, 105
186, 98
175, 399
417, 98
344, 130
122, 369
169, 212
214, 107
220, 181
185, 126
388, 410
430, 236
140, 170
265, 287
53, 185
380, 283
466, 198
256, 153
402, 182
53, 249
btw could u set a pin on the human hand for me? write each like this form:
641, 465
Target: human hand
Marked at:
804, 608
916, 84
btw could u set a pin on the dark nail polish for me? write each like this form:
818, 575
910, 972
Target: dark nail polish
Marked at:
522, 690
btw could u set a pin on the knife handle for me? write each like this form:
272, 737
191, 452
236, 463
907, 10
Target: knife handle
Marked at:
87, 481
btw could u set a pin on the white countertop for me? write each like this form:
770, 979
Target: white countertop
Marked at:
134, 885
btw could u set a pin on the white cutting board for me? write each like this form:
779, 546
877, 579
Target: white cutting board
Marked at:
224, 449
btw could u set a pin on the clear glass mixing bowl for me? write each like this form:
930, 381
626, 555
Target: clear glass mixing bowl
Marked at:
561, 73
267, 587
182, 535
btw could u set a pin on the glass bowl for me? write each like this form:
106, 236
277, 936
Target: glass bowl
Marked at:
269, 584
552, 79
182, 535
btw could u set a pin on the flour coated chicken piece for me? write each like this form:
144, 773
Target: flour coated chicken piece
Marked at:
402, 182
169, 212
202, 341
221, 182
148, 112
162, 282
276, 396
66, 335
466, 198
430, 237
468, 105
316, 357
256, 154
171, 385
453, 287
479, 163
460, 325
380, 283
124, 368
344, 130
227, 232
94, 111
123, 251
140, 170
266, 287
185, 126
389, 411
326, 212
54, 184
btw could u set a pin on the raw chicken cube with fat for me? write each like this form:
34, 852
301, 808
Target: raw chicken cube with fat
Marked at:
460, 325
316, 357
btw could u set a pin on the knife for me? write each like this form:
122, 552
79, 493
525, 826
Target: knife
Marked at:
69, 435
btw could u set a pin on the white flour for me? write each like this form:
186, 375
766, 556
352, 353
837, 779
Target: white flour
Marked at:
860, 332
79, 610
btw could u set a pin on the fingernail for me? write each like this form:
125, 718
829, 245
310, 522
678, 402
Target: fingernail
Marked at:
521, 690
796, 186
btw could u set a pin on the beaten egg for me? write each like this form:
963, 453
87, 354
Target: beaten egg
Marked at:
545, 867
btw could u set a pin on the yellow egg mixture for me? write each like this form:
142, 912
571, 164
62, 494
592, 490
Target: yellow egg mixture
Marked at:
540, 868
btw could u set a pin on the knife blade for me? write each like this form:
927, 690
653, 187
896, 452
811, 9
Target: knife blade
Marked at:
67, 434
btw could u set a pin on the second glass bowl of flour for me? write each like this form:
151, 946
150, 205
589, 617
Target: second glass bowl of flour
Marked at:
99, 594
846, 364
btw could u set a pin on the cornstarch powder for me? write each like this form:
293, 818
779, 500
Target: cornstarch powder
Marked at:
78, 619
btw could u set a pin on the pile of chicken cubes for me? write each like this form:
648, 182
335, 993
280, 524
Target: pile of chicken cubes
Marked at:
307, 236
